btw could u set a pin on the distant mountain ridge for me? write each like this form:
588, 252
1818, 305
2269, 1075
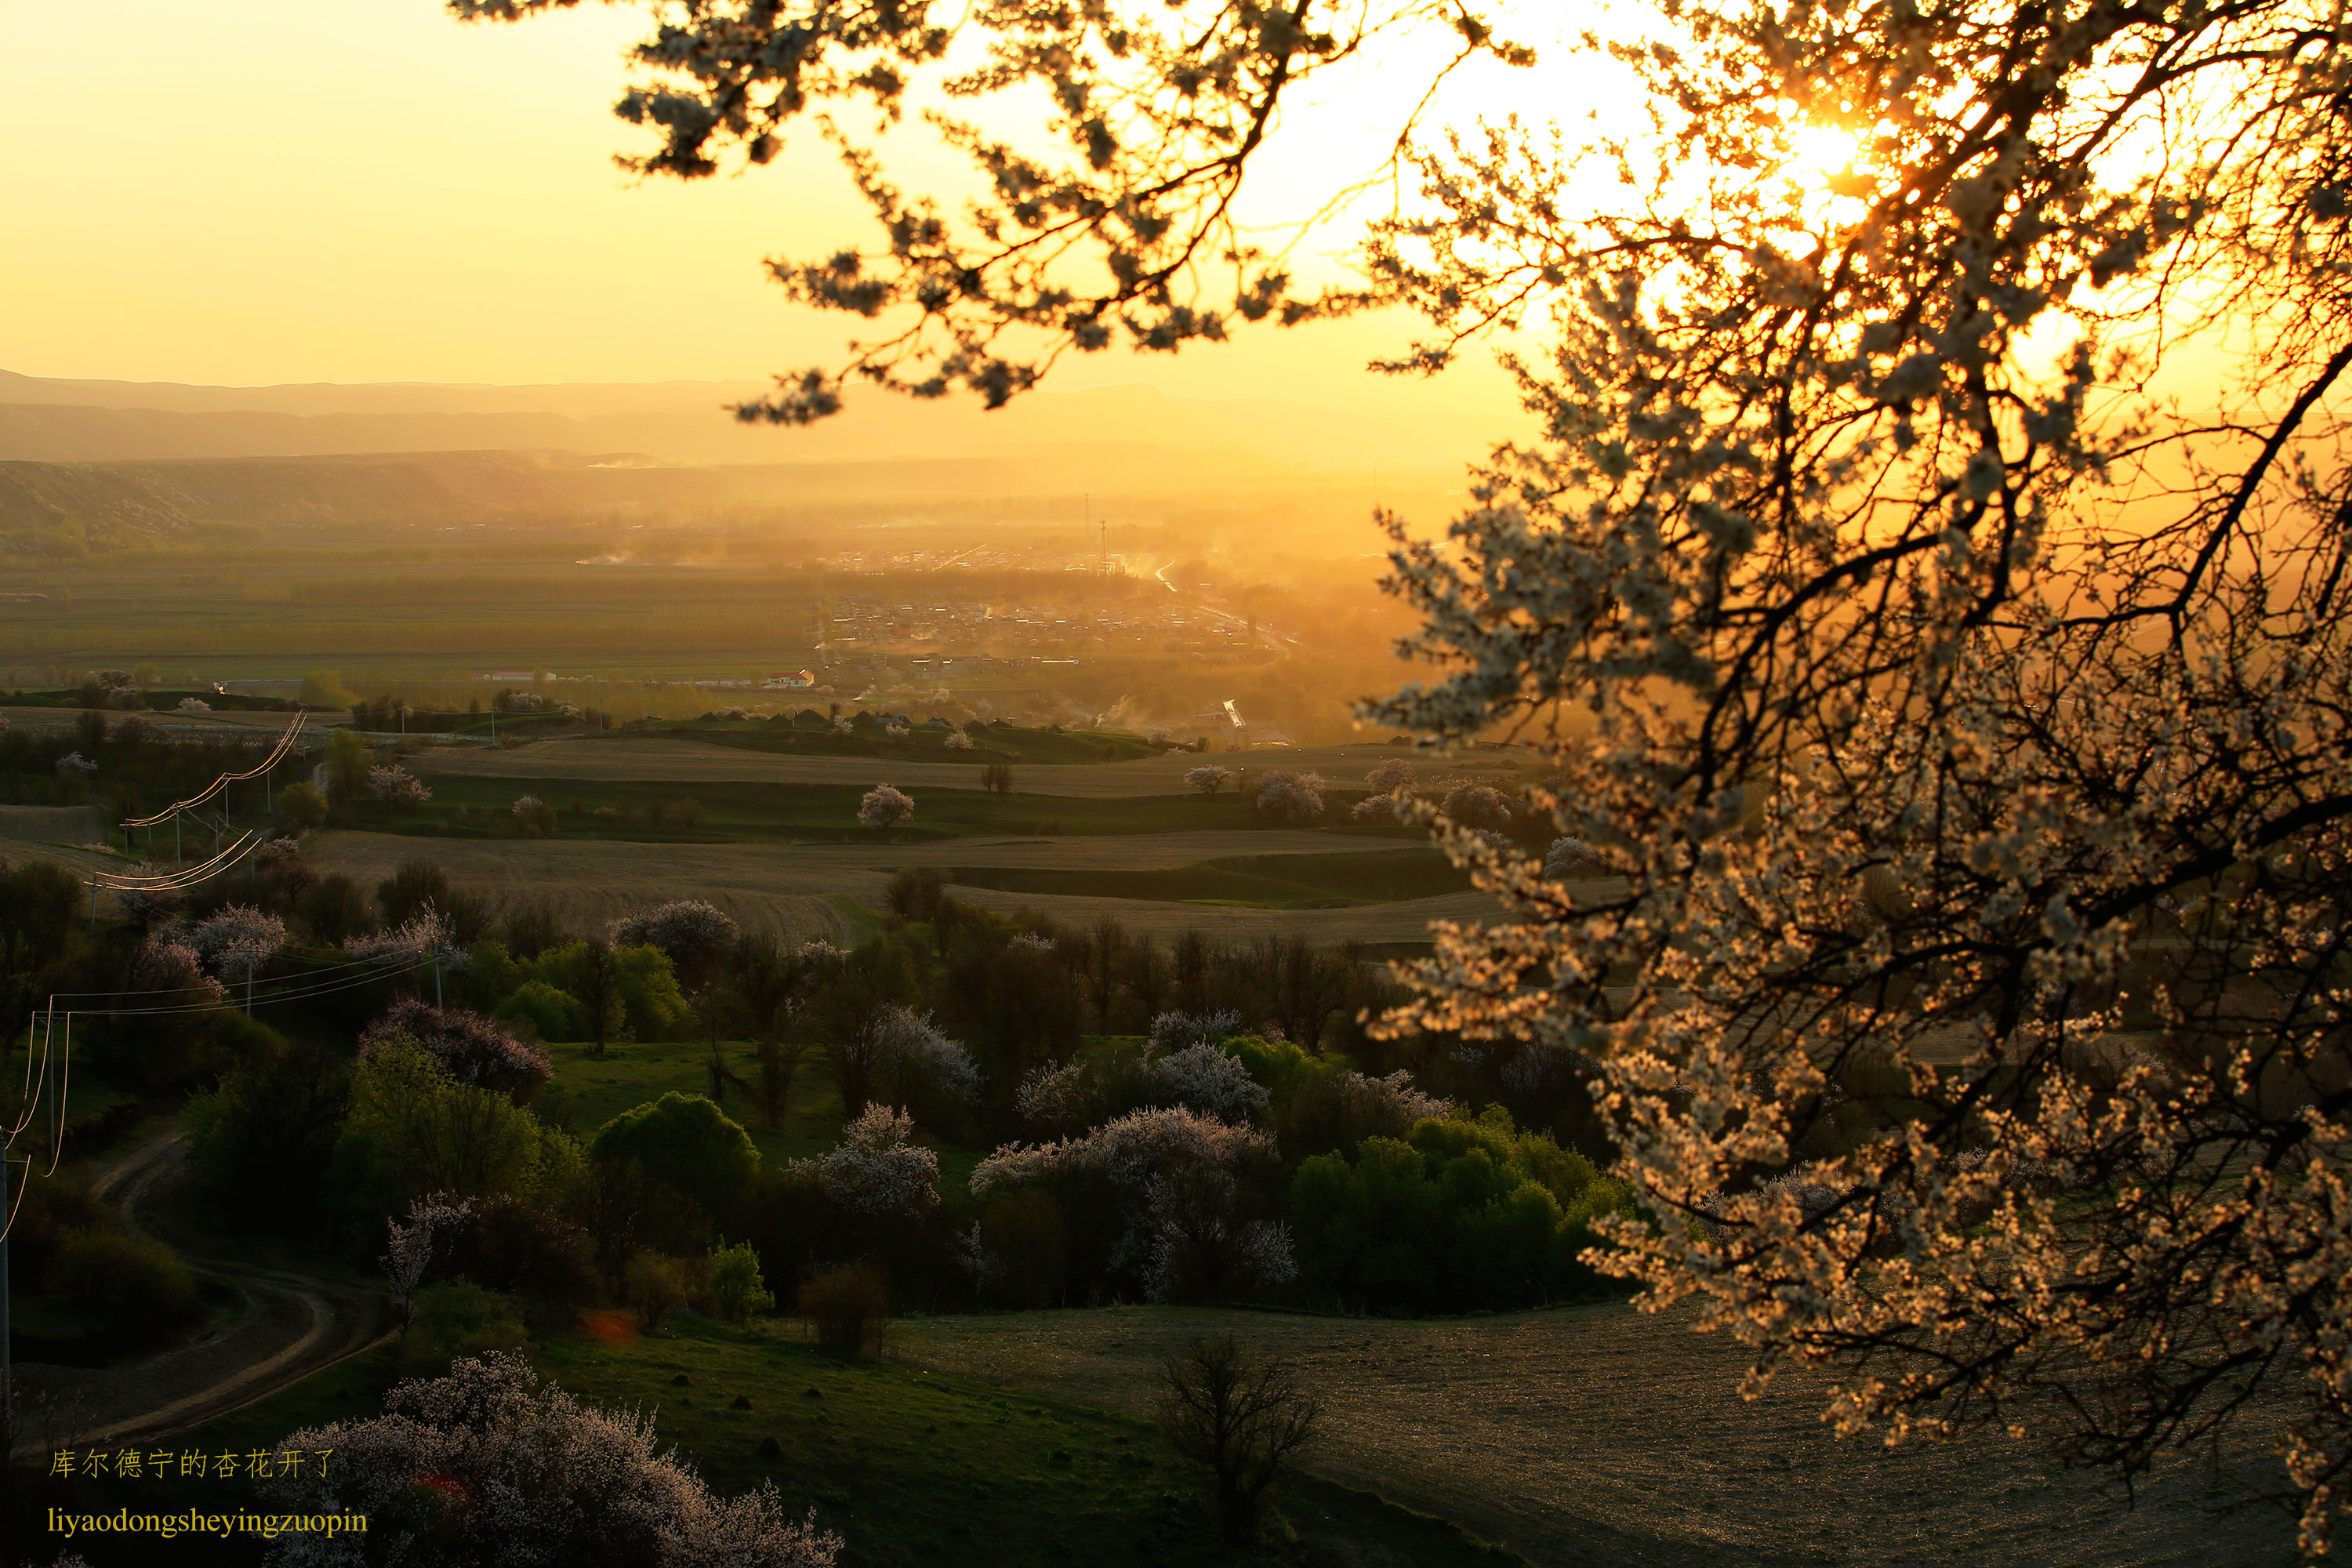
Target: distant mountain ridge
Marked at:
54, 420
51, 508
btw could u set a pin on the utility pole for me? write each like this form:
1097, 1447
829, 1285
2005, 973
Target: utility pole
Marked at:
7, 1340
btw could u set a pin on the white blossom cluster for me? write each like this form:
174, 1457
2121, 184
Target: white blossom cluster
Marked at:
883, 807
919, 1059
397, 785
1176, 1031
194, 705
1207, 1079
1053, 1094
875, 1170
235, 939
424, 935
684, 929
516, 1470
408, 1243
957, 741
164, 965
1181, 1176
1293, 799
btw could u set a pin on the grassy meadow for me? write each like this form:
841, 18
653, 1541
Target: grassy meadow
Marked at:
909, 1465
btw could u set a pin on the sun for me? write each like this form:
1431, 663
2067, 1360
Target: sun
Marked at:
1821, 152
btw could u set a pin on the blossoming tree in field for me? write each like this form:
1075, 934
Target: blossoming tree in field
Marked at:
883, 808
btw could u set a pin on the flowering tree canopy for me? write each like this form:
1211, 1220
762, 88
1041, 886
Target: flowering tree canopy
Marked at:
473, 1466
395, 785
1293, 799
692, 933
236, 938
1208, 778
474, 1049
883, 807
875, 1171
1183, 1180
1925, 585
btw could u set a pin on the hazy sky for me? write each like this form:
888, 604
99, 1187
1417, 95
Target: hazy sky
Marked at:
255, 190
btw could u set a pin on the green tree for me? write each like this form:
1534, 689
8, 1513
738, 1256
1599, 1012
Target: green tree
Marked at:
591, 970
302, 805
736, 1287
412, 1129
325, 689
1457, 1215
650, 998
348, 758
688, 1142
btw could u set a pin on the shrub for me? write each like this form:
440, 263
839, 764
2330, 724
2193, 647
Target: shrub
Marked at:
846, 1307
551, 1014
460, 1319
123, 1285
412, 886
656, 1285
737, 1291
511, 1459
302, 805
470, 1048
533, 818
333, 907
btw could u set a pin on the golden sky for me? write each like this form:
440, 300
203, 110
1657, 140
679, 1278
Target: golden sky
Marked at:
255, 191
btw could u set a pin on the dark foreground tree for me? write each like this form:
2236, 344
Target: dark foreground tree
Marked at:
1241, 1418
1926, 588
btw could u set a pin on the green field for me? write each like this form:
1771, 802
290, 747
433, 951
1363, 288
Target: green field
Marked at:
1258, 881
1005, 743
908, 1466
471, 806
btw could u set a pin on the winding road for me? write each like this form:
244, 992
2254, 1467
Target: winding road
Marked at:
294, 1324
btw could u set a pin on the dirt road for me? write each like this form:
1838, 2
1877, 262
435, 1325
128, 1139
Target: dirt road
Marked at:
1595, 1438
295, 1323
